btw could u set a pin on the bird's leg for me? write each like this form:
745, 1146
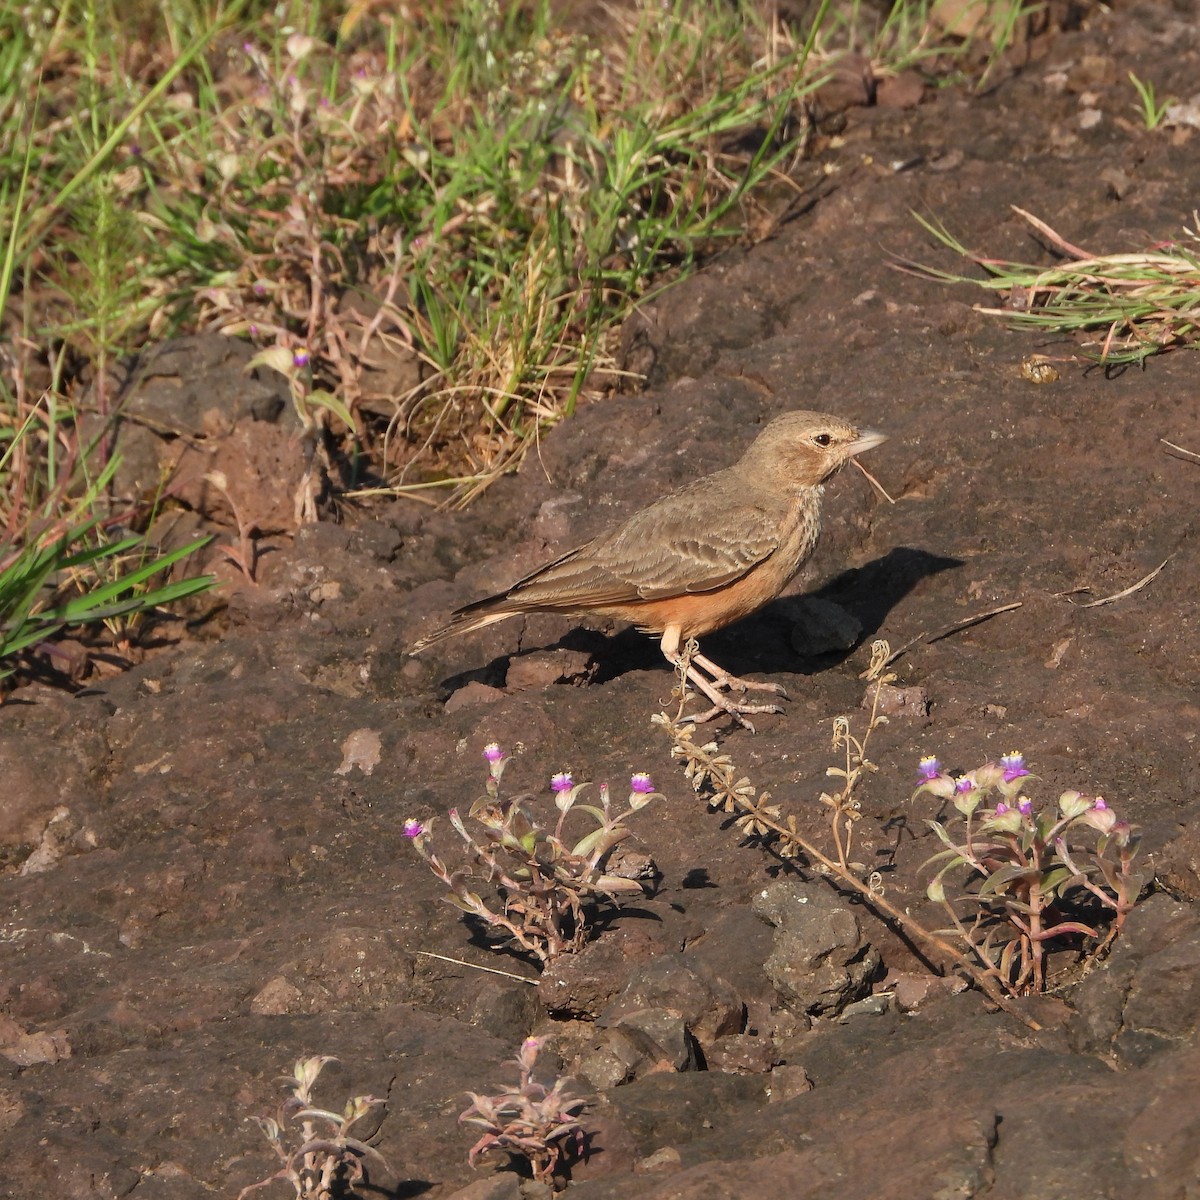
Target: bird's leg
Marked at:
723, 679
685, 663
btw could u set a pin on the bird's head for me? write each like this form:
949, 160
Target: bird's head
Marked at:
806, 448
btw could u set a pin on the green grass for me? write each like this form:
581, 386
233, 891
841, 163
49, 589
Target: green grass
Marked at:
1149, 107
431, 218
1143, 303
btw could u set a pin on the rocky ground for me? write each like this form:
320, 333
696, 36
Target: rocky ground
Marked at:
206, 877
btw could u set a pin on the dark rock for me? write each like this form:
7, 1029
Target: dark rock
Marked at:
622, 1053
820, 962
1143, 998
821, 627
707, 1005
583, 984
544, 667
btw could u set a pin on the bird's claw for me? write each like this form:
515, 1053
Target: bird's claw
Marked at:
734, 683
725, 707
724, 680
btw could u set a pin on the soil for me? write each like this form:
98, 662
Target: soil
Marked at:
206, 875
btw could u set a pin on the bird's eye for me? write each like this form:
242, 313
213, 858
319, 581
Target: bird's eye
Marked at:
822, 440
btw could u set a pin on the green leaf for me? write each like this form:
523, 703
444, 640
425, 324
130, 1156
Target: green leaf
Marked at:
1056, 878
939, 829
601, 839
999, 880
331, 402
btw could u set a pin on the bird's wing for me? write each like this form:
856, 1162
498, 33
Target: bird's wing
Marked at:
668, 549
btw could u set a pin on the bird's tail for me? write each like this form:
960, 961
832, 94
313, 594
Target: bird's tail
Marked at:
474, 616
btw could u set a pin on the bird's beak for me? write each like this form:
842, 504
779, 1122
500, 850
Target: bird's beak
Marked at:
867, 439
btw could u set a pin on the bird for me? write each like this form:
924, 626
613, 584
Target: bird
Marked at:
698, 558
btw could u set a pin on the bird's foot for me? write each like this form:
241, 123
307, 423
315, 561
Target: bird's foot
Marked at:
723, 680
724, 706
717, 688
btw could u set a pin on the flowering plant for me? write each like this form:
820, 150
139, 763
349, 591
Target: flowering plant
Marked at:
544, 883
529, 1120
327, 1154
1026, 868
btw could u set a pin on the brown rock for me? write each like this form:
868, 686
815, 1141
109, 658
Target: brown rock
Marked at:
25, 1049
788, 1081
707, 1004
741, 1054
905, 90
619, 1055
820, 962
277, 997
581, 985
471, 694
898, 701
669, 1031
545, 667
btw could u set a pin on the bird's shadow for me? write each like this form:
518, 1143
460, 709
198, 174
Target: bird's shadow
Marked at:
762, 642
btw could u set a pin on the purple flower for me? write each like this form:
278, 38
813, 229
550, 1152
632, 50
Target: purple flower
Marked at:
562, 782
413, 828
300, 358
1100, 817
1025, 806
929, 768
492, 752
1014, 766
964, 783
641, 782
1001, 809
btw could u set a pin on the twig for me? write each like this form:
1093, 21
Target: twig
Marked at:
1189, 454
1133, 587
965, 623
873, 481
476, 967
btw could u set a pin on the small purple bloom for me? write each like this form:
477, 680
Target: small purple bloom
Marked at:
641, 782
1025, 806
413, 828
1001, 809
300, 358
492, 752
929, 768
964, 783
1099, 804
1014, 766
562, 782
